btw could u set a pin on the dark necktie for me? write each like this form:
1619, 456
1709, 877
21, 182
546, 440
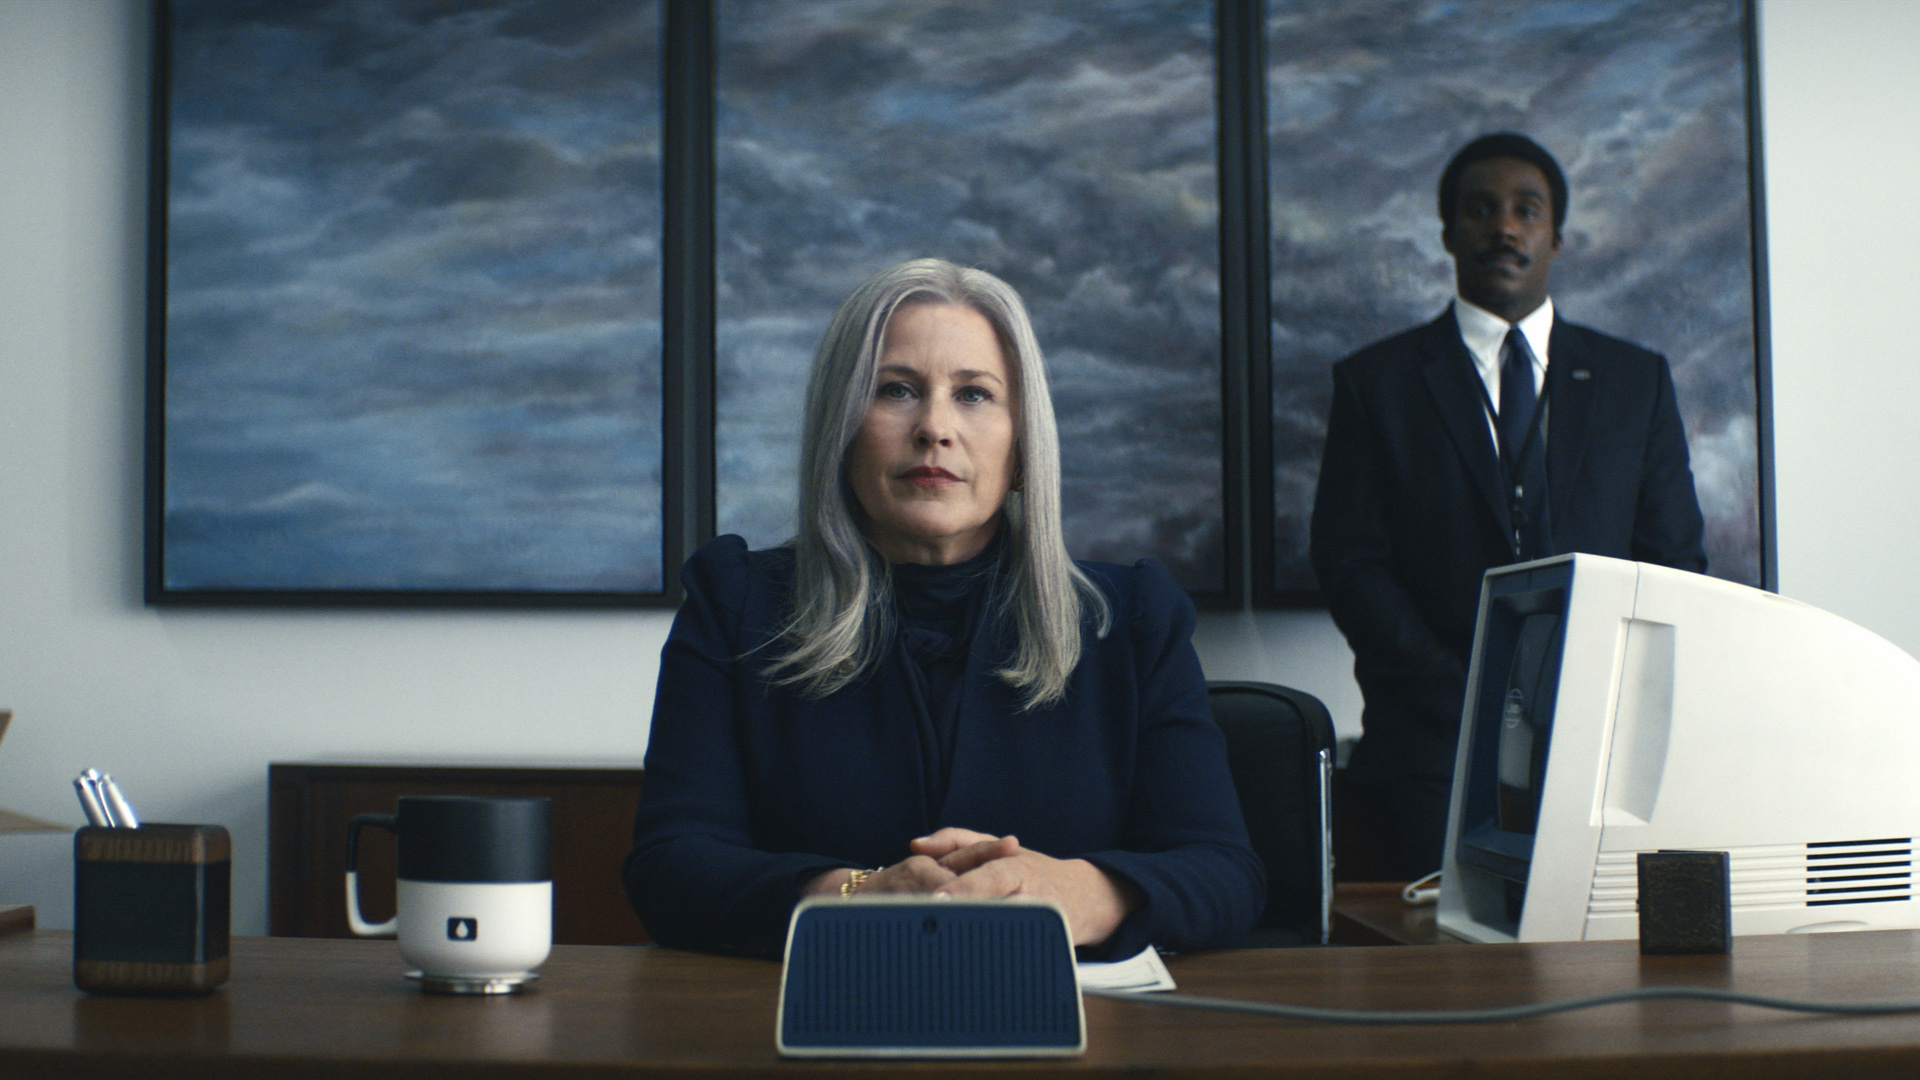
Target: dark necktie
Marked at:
1523, 450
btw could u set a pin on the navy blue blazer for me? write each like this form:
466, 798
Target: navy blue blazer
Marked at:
1409, 513
752, 790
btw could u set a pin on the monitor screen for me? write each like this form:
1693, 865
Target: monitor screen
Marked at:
1512, 725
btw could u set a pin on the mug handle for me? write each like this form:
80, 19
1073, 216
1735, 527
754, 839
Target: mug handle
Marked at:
359, 926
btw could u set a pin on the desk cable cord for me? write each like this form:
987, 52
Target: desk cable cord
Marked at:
1511, 1012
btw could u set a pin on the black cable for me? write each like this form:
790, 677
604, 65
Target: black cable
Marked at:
1511, 1012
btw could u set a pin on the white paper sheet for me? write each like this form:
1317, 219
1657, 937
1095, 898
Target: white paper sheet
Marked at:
1140, 973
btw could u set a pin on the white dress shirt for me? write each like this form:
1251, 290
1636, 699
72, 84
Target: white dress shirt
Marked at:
1485, 335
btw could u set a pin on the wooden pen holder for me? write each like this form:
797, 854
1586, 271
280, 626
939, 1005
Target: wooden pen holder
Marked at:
151, 909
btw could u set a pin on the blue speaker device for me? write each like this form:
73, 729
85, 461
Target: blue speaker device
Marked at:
912, 977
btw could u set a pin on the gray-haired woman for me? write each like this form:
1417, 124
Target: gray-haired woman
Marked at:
922, 692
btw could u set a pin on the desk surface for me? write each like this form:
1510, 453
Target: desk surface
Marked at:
309, 1008
1373, 913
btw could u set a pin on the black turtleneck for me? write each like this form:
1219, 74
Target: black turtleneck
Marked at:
938, 608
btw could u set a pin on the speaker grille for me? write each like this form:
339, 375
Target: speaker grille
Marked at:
901, 977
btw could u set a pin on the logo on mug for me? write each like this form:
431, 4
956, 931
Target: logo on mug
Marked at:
462, 928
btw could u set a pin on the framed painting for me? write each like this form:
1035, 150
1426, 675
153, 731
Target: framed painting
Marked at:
1067, 146
1650, 106
405, 303
511, 301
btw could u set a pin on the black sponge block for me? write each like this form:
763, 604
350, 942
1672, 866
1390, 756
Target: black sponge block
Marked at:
1686, 902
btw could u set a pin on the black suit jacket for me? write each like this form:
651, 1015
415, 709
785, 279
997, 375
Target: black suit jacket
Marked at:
1409, 513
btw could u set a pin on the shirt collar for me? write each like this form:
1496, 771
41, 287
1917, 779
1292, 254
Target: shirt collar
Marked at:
1484, 333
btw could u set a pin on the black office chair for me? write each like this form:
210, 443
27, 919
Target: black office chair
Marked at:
1280, 750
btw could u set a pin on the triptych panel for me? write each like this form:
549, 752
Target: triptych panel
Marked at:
407, 264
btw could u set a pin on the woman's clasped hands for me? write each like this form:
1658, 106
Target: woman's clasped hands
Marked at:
967, 865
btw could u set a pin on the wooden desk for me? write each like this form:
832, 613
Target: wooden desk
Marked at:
1373, 913
311, 1008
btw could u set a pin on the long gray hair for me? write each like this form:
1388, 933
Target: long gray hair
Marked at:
842, 596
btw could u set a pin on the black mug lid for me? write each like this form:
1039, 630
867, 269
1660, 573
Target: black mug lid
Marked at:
475, 838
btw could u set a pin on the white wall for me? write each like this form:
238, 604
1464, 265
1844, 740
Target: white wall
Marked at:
189, 707
1843, 167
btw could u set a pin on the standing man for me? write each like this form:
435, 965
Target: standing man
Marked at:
1497, 433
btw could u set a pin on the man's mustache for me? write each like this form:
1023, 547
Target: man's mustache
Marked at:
1497, 250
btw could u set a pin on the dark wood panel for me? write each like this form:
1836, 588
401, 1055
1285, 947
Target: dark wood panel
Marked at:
16, 919
308, 1008
1373, 913
309, 806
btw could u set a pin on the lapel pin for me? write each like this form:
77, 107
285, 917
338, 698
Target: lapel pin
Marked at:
1581, 374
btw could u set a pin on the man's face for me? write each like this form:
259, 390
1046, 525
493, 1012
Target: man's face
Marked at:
1501, 236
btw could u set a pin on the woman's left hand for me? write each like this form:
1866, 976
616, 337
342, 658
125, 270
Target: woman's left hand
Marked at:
996, 866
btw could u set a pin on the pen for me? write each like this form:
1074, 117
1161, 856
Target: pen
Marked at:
100, 796
117, 805
92, 777
90, 802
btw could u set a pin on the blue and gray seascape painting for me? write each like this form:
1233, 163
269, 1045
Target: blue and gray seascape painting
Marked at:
1643, 102
413, 276
1064, 145
413, 285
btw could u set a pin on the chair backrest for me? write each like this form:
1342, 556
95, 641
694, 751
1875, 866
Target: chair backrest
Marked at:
1280, 750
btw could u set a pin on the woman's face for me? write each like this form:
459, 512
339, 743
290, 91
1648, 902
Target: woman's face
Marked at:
934, 458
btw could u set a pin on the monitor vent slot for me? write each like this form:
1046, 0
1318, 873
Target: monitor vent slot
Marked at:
1859, 872
1824, 874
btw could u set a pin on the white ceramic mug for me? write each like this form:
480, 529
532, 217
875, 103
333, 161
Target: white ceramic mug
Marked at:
474, 895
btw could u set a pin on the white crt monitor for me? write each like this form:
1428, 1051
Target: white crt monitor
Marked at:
1617, 707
